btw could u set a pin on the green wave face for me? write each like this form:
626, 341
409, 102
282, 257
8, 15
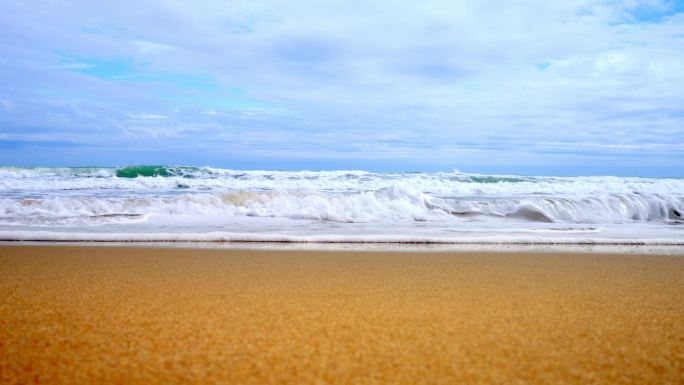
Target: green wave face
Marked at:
136, 171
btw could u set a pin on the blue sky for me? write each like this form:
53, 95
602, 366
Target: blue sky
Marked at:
531, 87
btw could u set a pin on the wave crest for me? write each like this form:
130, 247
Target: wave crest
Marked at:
389, 204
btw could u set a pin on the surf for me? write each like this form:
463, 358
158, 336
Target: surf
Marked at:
344, 204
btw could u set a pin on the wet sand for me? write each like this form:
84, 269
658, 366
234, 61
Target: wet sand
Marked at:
76, 315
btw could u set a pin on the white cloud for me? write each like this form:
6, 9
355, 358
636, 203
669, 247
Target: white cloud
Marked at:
425, 78
74, 66
144, 116
150, 47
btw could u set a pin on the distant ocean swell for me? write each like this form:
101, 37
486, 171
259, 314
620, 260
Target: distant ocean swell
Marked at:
203, 203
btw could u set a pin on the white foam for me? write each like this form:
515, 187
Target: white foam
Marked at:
441, 184
354, 205
369, 206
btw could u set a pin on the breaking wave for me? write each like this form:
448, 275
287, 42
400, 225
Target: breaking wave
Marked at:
204, 203
148, 179
391, 204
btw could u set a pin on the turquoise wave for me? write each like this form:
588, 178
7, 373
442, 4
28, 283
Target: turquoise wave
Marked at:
136, 171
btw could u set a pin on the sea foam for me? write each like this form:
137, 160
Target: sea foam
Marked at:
348, 204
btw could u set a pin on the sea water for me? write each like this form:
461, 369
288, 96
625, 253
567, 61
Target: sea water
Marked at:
163, 203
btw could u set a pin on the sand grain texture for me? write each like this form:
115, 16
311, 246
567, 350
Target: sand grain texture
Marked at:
77, 315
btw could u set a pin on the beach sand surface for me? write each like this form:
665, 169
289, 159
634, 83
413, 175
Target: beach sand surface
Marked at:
97, 315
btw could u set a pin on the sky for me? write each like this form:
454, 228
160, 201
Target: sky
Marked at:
563, 87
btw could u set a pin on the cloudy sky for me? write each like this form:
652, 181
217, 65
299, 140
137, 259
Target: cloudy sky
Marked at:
531, 87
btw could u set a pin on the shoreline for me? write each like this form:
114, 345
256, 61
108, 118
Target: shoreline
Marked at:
418, 247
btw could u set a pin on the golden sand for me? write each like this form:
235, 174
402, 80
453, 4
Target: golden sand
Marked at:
77, 315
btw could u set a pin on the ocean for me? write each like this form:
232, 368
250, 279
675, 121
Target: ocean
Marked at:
164, 203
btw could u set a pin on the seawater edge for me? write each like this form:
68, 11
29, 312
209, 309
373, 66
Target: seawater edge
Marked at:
649, 249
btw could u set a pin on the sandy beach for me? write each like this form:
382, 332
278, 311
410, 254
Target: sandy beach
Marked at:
96, 315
